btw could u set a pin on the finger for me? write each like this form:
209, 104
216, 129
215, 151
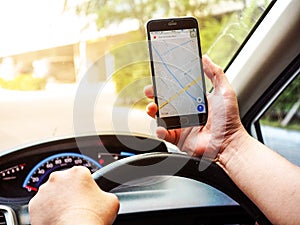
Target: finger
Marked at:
151, 109
161, 132
211, 69
214, 73
148, 91
171, 136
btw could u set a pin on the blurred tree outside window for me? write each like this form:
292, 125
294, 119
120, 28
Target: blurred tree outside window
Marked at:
223, 27
224, 24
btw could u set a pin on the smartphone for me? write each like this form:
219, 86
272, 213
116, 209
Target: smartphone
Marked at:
177, 72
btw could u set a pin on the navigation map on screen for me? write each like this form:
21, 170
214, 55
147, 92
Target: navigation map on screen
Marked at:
178, 74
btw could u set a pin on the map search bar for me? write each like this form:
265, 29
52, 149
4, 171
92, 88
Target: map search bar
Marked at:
170, 34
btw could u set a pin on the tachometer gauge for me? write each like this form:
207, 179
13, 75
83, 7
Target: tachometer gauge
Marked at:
11, 173
40, 173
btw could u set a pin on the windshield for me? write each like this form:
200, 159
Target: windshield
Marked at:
79, 67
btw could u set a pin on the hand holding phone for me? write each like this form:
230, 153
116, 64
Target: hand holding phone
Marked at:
177, 74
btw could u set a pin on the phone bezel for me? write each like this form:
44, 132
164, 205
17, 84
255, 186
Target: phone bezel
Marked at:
179, 121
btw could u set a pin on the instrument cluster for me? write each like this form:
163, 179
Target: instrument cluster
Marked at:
24, 170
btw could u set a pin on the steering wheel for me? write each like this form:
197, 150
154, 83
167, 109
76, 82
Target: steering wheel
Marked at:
174, 164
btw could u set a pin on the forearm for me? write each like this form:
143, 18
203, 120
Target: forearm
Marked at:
269, 180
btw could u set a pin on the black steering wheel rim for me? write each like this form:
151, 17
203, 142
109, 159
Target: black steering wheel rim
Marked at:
149, 164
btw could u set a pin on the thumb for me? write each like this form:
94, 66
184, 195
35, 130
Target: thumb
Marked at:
214, 73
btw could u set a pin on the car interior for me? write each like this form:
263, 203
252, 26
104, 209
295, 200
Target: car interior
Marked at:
155, 182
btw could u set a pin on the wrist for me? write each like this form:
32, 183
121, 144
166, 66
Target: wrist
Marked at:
79, 216
233, 146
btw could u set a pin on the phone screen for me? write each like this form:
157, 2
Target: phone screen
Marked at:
178, 75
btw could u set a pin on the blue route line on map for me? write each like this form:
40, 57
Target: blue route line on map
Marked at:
173, 75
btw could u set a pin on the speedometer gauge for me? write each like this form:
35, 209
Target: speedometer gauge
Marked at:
40, 173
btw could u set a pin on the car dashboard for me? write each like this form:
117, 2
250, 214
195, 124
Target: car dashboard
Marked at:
24, 169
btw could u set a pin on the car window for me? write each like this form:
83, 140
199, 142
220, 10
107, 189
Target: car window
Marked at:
280, 124
80, 66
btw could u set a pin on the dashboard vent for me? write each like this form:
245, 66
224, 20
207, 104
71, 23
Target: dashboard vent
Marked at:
2, 218
7, 216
